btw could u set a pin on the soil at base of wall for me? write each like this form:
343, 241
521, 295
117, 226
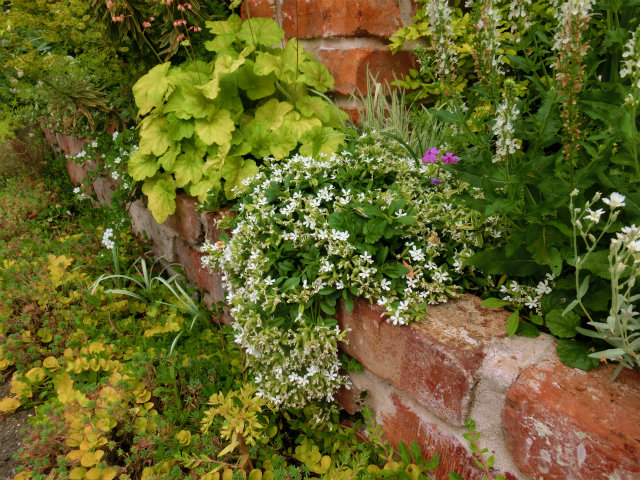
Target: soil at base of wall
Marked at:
10, 436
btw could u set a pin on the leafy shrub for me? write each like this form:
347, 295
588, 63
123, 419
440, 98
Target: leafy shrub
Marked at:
211, 122
309, 232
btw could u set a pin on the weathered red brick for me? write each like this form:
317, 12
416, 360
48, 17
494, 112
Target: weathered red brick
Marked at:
340, 18
350, 66
209, 223
433, 361
211, 282
186, 220
406, 424
257, 9
563, 423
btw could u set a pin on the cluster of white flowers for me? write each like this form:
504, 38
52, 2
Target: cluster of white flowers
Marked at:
519, 17
528, 295
288, 217
503, 128
438, 13
631, 63
567, 13
107, 238
487, 51
80, 195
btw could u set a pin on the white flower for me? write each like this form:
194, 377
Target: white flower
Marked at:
594, 215
615, 200
107, 237
634, 246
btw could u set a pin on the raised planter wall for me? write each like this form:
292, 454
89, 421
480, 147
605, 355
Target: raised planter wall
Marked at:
541, 419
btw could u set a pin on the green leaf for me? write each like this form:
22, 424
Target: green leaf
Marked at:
149, 90
527, 330
290, 283
494, 303
235, 170
283, 141
298, 126
563, 326
598, 263
154, 138
311, 106
188, 168
272, 113
495, 261
161, 191
348, 301
512, 323
142, 166
576, 354
217, 128
230, 26
316, 75
210, 180
187, 100
179, 129
168, 158
405, 455
255, 86
583, 289
394, 270
261, 31
321, 140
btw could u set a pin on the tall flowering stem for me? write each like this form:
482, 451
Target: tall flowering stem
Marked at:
631, 70
573, 18
487, 51
507, 145
445, 56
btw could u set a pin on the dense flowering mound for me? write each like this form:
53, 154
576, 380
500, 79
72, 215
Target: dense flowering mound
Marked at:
310, 231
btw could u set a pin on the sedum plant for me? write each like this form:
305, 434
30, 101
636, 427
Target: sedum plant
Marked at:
207, 126
311, 232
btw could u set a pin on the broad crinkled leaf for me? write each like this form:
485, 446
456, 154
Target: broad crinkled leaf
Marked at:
257, 135
235, 171
299, 125
149, 90
261, 31
188, 168
187, 100
255, 86
312, 106
168, 158
212, 180
216, 129
563, 326
154, 137
179, 129
283, 141
161, 191
231, 25
272, 113
224, 65
321, 140
142, 166
215, 156
316, 76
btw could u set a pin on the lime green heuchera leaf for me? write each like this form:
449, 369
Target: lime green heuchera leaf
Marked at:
312, 106
230, 26
187, 100
316, 75
255, 86
258, 135
179, 129
235, 170
261, 31
216, 129
282, 63
149, 90
168, 158
321, 140
283, 141
215, 156
299, 125
211, 180
272, 113
188, 168
223, 65
154, 137
161, 191
142, 166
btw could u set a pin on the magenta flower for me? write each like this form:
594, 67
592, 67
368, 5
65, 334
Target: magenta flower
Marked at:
431, 155
449, 158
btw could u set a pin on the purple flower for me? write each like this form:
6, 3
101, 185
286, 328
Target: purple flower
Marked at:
436, 181
431, 155
449, 158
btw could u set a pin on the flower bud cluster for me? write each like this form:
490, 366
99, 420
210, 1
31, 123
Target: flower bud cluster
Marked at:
438, 13
503, 128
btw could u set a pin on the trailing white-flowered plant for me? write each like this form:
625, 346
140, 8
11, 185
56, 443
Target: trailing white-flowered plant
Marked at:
527, 295
310, 232
622, 326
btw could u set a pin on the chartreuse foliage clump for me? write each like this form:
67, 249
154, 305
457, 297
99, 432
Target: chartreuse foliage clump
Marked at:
311, 232
208, 125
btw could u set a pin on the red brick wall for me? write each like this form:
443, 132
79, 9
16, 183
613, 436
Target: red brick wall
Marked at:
349, 36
